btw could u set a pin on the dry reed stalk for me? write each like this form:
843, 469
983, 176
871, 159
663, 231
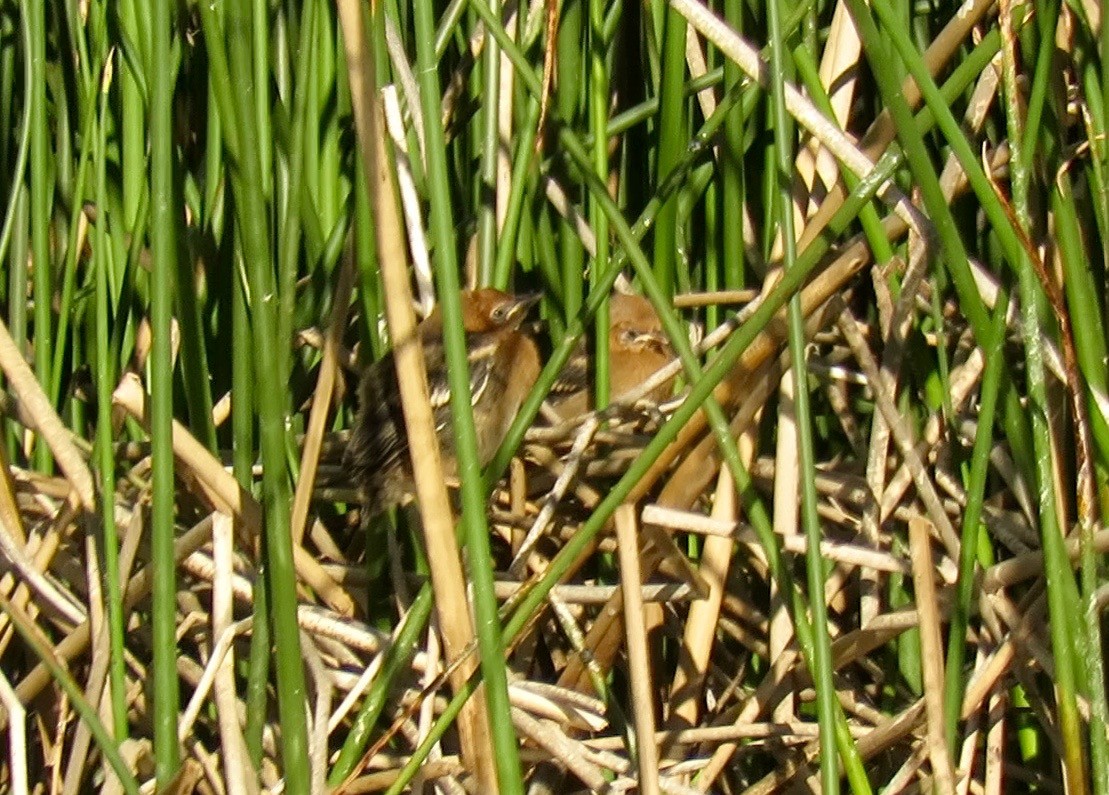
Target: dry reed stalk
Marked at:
701, 622
786, 519
236, 761
931, 648
639, 658
435, 511
322, 400
36, 404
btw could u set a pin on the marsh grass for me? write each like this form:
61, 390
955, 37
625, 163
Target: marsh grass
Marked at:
879, 569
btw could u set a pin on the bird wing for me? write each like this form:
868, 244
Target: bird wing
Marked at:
378, 440
482, 356
574, 376
481, 350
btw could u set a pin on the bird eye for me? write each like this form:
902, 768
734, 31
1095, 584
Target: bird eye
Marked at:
628, 336
499, 313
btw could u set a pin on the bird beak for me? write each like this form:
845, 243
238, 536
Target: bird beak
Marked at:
657, 340
522, 305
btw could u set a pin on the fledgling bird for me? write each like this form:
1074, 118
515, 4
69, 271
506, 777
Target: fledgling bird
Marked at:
504, 365
637, 348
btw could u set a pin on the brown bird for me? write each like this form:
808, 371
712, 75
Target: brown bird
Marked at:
637, 348
504, 365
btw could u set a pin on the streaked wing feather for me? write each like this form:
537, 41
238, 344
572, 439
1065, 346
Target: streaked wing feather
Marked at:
574, 376
378, 441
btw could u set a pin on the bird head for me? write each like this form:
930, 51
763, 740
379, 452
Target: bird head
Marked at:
490, 310
635, 326
627, 338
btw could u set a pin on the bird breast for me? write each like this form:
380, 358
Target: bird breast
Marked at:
510, 380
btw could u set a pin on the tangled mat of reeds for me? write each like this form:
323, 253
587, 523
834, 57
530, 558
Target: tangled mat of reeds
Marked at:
679, 634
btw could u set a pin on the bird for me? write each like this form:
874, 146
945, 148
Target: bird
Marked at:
637, 348
504, 366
